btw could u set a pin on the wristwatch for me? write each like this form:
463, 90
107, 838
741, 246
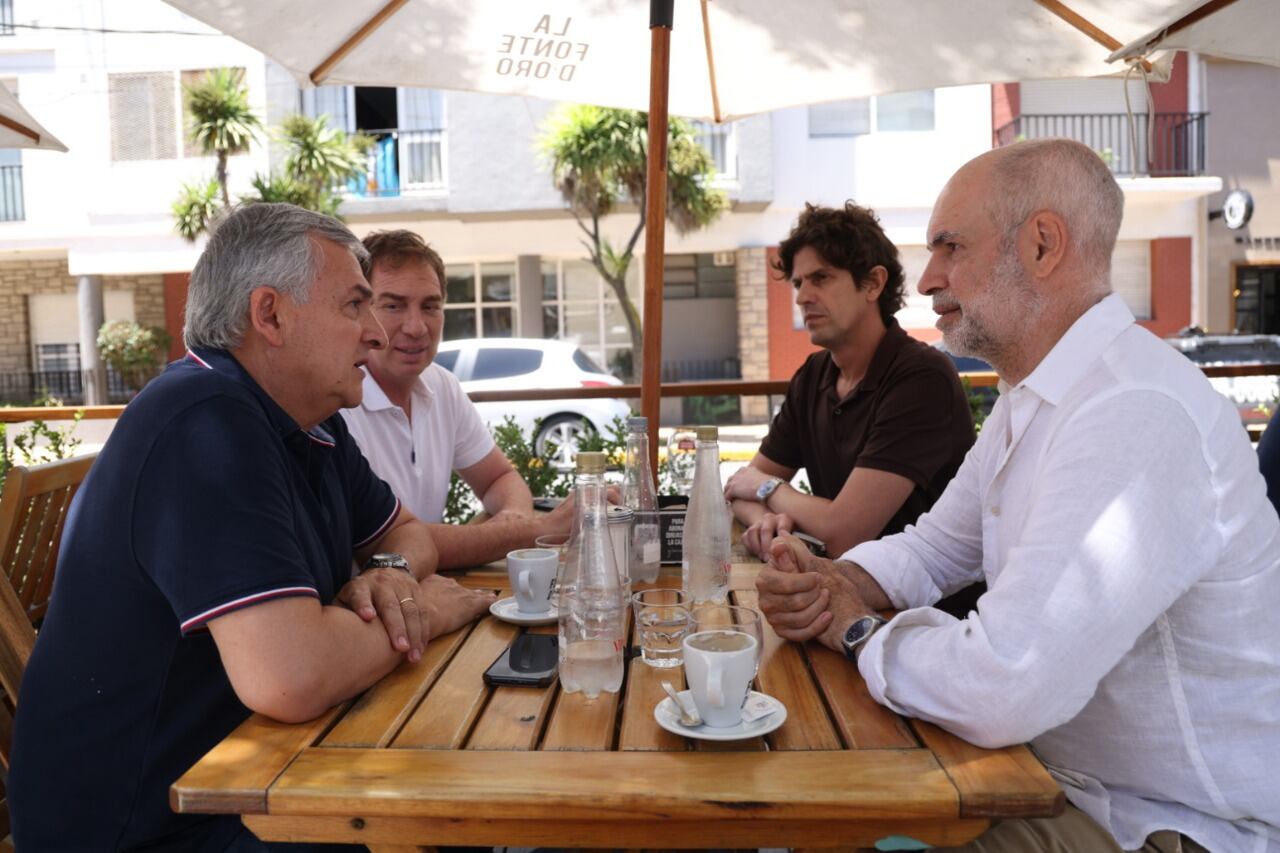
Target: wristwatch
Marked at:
766, 490
858, 633
388, 561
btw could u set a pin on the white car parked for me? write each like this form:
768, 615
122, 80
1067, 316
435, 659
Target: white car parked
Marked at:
502, 364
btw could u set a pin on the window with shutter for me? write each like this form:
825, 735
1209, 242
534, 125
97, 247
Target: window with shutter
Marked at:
144, 116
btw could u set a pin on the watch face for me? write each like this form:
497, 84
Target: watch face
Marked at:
858, 630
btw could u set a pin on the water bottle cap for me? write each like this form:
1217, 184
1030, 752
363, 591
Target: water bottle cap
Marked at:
637, 422
592, 462
708, 433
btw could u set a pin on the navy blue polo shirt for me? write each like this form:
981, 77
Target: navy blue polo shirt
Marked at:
207, 498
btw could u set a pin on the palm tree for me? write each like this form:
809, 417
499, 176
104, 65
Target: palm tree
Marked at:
319, 156
598, 160
195, 207
221, 121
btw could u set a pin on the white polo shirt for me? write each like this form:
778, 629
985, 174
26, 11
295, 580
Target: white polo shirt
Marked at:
416, 458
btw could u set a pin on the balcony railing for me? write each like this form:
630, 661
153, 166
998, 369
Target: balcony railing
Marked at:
11, 206
1174, 149
24, 387
402, 161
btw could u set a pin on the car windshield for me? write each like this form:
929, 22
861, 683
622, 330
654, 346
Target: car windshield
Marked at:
499, 362
585, 363
447, 359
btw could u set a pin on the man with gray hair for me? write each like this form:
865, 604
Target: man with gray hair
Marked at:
1114, 507
205, 569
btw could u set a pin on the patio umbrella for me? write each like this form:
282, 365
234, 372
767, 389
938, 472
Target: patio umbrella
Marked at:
727, 58
1247, 30
19, 130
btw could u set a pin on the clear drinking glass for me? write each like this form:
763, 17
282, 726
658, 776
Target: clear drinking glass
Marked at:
662, 622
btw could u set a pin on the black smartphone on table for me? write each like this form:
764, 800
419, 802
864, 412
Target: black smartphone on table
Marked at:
530, 661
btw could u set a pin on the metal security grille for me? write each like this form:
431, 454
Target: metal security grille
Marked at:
144, 116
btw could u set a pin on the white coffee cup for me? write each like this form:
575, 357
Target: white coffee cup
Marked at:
719, 666
531, 571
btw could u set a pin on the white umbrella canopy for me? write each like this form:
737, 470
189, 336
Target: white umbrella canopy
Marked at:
729, 58
1247, 30
726, 59
19, 130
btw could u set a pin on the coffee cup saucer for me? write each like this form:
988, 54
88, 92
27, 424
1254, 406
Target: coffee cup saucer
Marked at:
669, 718
507, 610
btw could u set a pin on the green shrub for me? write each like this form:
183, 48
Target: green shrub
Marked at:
136, 352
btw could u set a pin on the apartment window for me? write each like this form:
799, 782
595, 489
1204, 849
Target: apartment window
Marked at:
841, 118
53, 357
407, 123
700, 276
579, 306
144, 116
149, 118
721, 141
480, 301
1131, 275
6, 17
876, 114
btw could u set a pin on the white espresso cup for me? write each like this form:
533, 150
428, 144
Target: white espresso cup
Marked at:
719, 666
531, 571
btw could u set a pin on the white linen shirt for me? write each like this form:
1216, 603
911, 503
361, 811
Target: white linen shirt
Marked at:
416, 458
1131, 629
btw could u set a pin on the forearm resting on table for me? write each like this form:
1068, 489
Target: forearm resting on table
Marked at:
411, 539
292, 659
463, 545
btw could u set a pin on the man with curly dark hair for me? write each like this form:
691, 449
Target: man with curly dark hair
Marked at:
878, 420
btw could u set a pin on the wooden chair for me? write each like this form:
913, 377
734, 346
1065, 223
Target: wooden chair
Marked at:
33, 511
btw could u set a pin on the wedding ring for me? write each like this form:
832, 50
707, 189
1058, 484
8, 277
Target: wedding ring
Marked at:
403, 600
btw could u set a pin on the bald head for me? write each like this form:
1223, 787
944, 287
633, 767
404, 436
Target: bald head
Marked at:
1065, 177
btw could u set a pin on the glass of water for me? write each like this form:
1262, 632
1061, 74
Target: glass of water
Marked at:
662, 621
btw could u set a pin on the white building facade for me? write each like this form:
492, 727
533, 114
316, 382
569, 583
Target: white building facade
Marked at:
463, 170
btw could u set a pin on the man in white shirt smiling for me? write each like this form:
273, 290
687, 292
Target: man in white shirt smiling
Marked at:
416, 425
1114, 507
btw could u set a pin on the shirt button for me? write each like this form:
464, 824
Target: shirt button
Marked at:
995, 510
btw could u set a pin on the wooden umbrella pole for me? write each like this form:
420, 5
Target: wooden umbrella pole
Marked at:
660, 20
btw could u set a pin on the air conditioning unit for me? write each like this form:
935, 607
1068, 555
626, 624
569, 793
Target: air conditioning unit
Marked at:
724, 259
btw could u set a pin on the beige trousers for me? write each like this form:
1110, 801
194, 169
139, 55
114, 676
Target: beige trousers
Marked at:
1071, 832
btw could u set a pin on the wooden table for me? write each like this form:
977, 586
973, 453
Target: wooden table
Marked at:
432, 756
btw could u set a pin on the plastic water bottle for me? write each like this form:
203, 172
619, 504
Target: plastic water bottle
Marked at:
591, 610
637, 493
681, 446
705, 558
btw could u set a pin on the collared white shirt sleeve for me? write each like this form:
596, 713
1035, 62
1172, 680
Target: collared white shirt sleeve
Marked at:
471, 438
1113, 538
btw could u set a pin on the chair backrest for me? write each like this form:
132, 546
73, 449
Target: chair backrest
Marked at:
33, 510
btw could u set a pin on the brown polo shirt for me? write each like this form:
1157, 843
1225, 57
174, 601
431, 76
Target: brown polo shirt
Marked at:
908, 415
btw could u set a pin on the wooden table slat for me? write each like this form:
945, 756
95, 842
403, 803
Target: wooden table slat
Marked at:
609, 835
445, 717
514, 718
861, 721
234, 775
514, 785
1005, 783
376, 717
784, 675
